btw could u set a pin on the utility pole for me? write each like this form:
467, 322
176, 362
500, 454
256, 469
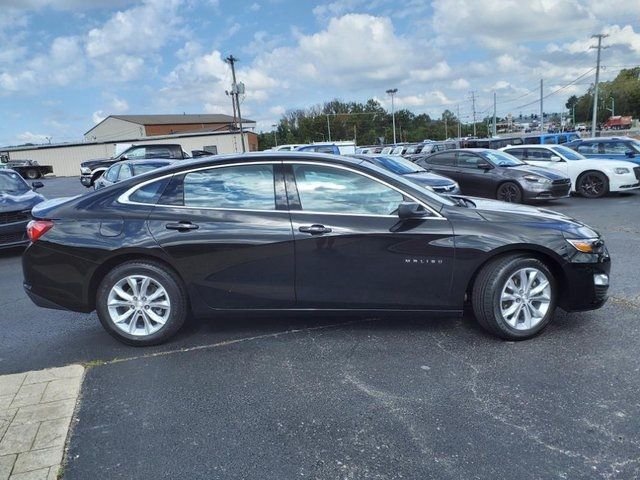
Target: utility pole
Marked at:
495, 129
328, 128
459, 124
594, 119
473, 108
275, 134
231, 60
392, 92
541, 109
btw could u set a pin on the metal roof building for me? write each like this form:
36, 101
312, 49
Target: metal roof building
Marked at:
118, 127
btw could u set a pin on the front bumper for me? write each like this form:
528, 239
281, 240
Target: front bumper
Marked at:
621, 183
586, 285
13, 234
86, 180
543, 191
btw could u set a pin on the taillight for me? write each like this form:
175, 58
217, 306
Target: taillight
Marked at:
37, 228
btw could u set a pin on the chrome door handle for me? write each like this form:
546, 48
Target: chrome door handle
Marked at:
315, 229
182, 226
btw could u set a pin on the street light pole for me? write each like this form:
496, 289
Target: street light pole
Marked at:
392, 92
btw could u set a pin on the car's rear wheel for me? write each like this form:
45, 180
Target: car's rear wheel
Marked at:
141, 303
509, 192
593, 184
32, 174
514, 297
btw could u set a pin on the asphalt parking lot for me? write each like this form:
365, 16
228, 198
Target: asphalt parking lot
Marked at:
352, 398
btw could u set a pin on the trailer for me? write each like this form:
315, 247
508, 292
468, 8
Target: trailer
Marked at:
618, 122
29, 169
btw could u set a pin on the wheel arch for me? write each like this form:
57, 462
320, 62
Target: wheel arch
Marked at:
593, 170
119, 259
548, 257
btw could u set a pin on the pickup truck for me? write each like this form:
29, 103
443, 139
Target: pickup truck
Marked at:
91, 170
29, 169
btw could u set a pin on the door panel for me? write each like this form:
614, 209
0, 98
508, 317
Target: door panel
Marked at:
367, 260
232, 258
475, 181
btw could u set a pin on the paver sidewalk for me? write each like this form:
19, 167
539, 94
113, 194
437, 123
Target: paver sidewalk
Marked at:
35, 412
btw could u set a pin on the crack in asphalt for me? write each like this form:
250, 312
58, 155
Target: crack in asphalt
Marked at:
223, 343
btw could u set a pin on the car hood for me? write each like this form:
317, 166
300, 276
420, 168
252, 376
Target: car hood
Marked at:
497, 211
543, 172
96, 161
24, 201
429, 178
594, 163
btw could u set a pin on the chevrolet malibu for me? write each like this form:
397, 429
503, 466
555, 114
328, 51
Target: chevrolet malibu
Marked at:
309, 233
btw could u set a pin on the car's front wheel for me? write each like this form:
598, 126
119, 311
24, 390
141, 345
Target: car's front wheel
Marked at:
141, 303
509, 192
593, 184
514, 297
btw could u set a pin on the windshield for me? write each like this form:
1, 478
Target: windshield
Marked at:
636, 145
568, 153
11, 182
502, 159
398, 165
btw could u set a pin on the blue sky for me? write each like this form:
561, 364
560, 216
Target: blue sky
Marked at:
66, 64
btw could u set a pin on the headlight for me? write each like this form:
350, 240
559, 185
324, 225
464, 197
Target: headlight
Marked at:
534, 178
587, 245
85, 170
621, 171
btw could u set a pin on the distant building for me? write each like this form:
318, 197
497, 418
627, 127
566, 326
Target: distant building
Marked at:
117, 128
65, 158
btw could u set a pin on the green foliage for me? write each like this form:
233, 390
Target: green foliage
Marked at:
363, 122
624, 90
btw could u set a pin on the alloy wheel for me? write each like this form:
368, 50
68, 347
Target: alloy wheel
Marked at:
592, 185
508, 193
525, 298
138, 305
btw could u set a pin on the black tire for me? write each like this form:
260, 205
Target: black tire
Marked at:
32, 174
509, 192
171, 283
592, 184
487, 290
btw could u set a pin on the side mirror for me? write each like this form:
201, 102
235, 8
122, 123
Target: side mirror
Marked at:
37, 185
630, 154
555, 158
408, 210
484, 166
124, 157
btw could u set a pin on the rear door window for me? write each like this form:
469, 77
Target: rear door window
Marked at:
243, 187
539, 154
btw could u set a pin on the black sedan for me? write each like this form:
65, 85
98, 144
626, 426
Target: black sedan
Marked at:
129, 168
414, 172
16, 201
494, 174
302, 232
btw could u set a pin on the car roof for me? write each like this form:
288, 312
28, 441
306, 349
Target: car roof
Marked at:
604, 139
265, 156
148, 161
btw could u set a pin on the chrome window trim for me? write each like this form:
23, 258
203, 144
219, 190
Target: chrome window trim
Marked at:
124, 197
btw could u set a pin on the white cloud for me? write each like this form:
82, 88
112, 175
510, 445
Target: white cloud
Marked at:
254, 7
278, 110
98, 116
460, 84
29, 137
119, 105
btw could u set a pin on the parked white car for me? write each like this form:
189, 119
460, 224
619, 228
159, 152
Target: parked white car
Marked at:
590, 177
